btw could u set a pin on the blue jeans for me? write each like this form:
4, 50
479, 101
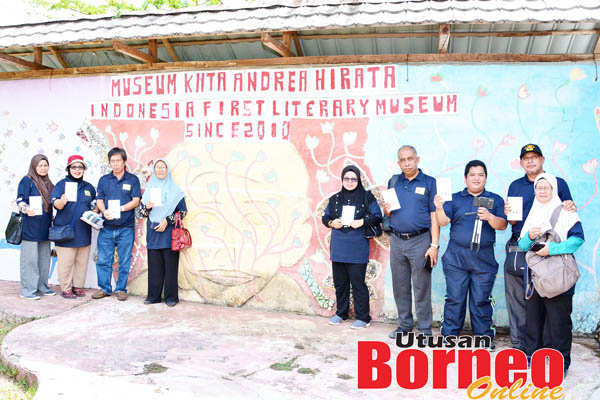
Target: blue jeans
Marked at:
122, 238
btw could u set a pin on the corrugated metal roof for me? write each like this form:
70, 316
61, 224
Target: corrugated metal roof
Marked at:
298, 15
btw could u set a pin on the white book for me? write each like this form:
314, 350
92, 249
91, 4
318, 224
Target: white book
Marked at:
35, 203
71, 191
516, 208
114, 208
444, 188
348, 215
156, 196
389, 196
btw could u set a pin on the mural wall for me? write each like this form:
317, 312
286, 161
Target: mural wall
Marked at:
258, 153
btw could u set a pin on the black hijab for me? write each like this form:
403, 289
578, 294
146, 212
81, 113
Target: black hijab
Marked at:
356, 196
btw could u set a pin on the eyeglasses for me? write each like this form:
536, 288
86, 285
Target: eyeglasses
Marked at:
530, 158
76, 167
160, 167
351, 180
543, 188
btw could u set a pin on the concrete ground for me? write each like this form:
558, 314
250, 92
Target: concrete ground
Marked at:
98, 349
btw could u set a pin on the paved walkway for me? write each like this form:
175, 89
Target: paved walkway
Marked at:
98, 349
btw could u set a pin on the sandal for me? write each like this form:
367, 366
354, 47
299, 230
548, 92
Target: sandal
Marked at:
69, 295
79, 292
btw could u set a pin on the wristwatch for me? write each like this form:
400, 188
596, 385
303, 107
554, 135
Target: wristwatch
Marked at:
437, 246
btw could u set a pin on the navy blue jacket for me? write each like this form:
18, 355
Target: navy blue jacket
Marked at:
351, 246
35, 229
124, 189
85, 195
161, 240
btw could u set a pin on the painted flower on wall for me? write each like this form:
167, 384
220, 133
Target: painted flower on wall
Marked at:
577, 74
590, 166
507, 140
322, 176
437, 77
327, 128
477, 144
523, 93
482, 92
349, 138
515, 164
559, 147
311, 142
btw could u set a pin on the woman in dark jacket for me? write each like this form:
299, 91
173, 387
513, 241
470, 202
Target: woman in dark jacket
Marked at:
73, 255
163, 263
33, 200
349, 248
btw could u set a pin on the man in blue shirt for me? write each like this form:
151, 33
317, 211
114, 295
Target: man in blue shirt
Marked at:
415, 236
469, 262
532, 162
118, 193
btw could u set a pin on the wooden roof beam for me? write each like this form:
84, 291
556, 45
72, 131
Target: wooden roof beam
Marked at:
170, 49
276, 45
56, 53
299, 50
443, 38
21, 63
134, 53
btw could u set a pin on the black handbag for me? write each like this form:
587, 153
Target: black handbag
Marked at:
14, 229
63, 233
371, 231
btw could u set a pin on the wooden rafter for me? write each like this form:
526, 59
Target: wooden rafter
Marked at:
59, 56
321, 60
134, 53
299, 50
276, 45
21, 63
38, 57
170, 49
444, 38
152, 49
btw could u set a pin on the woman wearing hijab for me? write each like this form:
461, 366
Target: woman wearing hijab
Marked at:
73, 254
163, 263
555, 311
33, 200
349, 248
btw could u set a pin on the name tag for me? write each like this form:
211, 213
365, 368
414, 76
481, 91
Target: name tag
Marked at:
126, 186
87, 193
420, 190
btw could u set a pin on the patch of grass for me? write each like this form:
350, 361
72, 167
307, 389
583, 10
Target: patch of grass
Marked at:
154, 368
345, 376
308, 371
284, 366
26, 391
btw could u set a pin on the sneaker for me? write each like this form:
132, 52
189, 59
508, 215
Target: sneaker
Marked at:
171, 303
99, 294
336, 320
122, 296
492, 346
48, 293
69, 295
399, 331
79, 292
358, 324
32, 297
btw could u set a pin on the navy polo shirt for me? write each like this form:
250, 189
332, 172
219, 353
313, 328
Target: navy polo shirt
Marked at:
161, 240
124, 189
85, 195
461, 228
416, 203
523, 187
351, 246
35, 229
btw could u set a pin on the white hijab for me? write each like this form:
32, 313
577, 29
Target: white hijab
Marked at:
541, 213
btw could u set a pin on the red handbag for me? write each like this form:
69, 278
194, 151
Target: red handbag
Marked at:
180, 238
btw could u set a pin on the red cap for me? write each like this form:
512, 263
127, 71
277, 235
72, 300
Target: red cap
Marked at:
74, 159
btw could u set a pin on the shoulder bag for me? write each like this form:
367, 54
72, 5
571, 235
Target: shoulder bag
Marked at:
14, 229
371, 231
180, 237
551, 275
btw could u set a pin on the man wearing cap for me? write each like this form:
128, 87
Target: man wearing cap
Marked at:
71, 197
415, 236
532, 161
119, 194
470, 266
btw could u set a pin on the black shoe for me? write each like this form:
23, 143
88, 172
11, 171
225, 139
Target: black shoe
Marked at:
398, 331
148, 301
171, 303
492, 346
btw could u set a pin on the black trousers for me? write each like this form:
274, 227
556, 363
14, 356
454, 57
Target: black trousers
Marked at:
556, 314
163, 266
344, 275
